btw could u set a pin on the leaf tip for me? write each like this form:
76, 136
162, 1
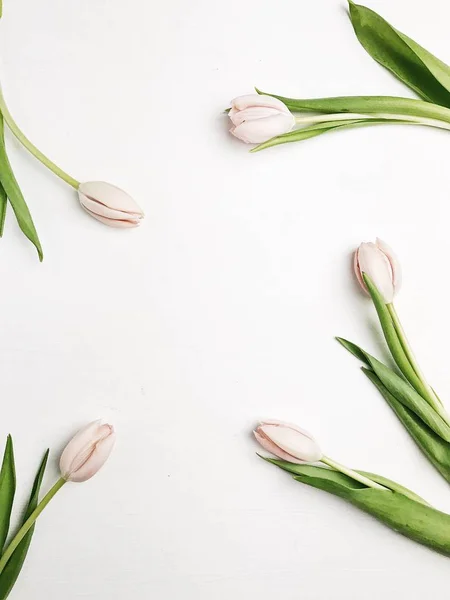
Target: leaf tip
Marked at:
343, 342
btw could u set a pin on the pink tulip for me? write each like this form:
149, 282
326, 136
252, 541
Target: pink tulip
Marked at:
257, 118
288, 442
87, 452
109, 204
379, 262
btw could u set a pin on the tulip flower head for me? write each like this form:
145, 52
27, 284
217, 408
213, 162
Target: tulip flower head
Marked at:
379, 262
109, 204
87, 452
256, 118
288, 442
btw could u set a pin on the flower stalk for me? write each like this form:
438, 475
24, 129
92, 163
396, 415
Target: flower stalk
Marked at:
353, 474
15, 129
410, 355
12, 546
368, 117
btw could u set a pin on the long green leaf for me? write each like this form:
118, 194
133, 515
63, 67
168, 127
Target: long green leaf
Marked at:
12, 570
3, 195
7, 490
341, 479
396, 509
306, 133
434, 447
16, 198
366, 105
412, 64
3, 205
404, 393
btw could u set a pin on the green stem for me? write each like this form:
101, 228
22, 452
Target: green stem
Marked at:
402, 119
432, 396
31, 147
29, 523
353, 474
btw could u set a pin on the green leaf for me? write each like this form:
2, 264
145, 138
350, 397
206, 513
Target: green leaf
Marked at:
3, 205
326, 473
366, 105
434, 447
12, 570
412, 64
406, 394
12, 189
396, 509
3, 196
354, 349
340, 478
306, 133
7, 490
412, 518
298, 135
394, 486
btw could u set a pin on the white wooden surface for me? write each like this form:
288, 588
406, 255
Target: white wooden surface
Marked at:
222, 308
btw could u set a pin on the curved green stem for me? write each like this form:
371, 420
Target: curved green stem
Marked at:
29, 524
353, 474
432, 396
31, 147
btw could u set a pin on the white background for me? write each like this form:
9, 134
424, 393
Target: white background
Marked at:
221, 309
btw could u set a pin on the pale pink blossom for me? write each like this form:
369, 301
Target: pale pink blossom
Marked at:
256, 118
87, 452
288, 442
109, 204
379, 262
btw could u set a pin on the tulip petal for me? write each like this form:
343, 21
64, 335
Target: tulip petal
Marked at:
118, 223
243, 102
109, 195
260, 130
251, 114
376, 264
87, 451
105, 211
394, 262
95, 461
357, 270
268, 445
301, 446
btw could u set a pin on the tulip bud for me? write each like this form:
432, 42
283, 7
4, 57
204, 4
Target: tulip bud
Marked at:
379, 262
109, 204
257, 118
87, 452
288, 442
